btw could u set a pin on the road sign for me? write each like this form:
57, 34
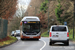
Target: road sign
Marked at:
65, 23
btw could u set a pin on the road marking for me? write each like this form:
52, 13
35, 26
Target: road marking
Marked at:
43, 45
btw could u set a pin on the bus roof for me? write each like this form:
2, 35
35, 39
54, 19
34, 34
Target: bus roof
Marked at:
30, 18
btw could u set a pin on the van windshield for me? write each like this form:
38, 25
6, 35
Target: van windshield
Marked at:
59, 29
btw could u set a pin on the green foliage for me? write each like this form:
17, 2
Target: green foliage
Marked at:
67, 17
43, 6
58, 11
71, 34
45, 34
58, 1
46, 1
13, 38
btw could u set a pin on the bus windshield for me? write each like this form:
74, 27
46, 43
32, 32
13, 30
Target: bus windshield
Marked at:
31, 27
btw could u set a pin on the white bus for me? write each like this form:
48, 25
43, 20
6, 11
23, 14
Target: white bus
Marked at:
30, 28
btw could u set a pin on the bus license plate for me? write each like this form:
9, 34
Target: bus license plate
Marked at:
31, 37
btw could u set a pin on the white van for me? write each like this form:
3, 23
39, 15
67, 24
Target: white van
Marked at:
59, 33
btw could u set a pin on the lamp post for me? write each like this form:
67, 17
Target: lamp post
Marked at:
48, 14
27, 13
73, 19
35, 10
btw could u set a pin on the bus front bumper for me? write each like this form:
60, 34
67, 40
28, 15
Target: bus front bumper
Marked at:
30, 37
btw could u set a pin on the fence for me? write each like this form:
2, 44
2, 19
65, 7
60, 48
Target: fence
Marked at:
3, 28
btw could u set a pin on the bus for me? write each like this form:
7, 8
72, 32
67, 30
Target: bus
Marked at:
30, 28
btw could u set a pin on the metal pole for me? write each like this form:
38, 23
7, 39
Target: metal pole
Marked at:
27, 13
35, 11
73, 19
48, 15
0, 27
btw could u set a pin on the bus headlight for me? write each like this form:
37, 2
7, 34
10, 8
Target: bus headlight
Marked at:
39, 34
23, 34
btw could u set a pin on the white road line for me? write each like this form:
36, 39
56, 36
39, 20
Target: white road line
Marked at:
43, 45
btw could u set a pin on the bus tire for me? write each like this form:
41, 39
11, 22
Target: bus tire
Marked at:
22, 39
37, 39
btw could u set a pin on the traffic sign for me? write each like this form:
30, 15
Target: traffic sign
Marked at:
65, 23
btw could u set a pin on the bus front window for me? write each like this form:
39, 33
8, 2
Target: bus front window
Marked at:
31, 27
35, 28
26, 28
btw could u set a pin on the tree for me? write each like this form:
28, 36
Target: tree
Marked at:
14, 24
43, 21
43, 6
7, 8
58, 11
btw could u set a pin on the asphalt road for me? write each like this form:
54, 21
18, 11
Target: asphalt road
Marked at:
42, 44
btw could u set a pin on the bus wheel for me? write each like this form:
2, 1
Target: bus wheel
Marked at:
37, 39
22, 39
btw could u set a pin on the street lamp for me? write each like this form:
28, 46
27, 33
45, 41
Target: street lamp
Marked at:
48, 14
73, 19
35, 11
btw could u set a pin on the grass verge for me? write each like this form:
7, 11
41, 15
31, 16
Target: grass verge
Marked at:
71, 35
8, 40
45, 34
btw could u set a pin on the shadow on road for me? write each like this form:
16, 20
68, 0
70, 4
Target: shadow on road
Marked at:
62, 44
58, 45
30, 40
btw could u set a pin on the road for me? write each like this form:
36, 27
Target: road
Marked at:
42, 44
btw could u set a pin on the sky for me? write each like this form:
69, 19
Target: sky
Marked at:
22, 7
24, 2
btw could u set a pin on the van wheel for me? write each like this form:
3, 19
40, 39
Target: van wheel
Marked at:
67, 43
50, 43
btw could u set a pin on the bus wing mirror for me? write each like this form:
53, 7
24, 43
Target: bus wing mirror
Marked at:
21, 23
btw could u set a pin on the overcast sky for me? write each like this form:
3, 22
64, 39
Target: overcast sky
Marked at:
24, 2
22, 7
